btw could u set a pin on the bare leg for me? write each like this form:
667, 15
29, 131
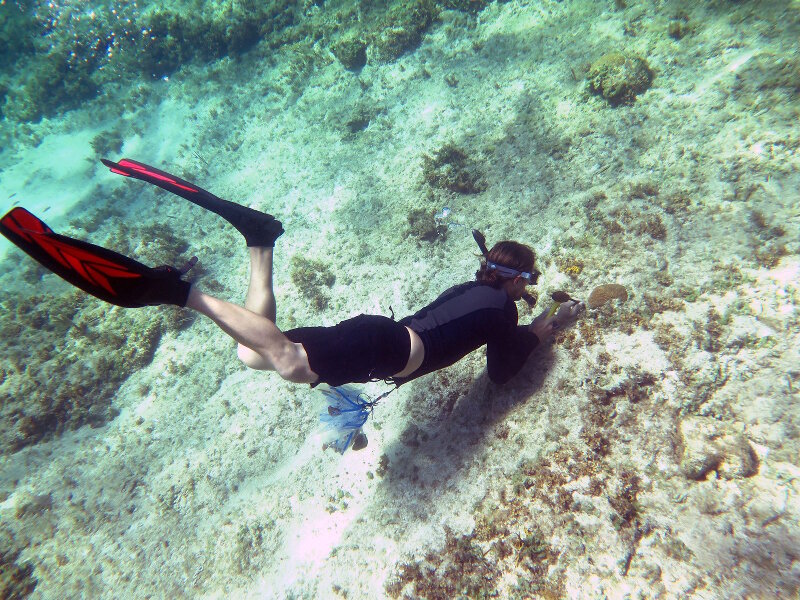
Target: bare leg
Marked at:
260, 300
260, 297
258, 334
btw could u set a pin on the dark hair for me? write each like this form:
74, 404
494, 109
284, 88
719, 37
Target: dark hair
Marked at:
507, 254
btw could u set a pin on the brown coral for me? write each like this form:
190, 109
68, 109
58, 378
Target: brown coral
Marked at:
603, 293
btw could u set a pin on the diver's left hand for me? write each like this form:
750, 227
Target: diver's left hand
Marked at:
542, 326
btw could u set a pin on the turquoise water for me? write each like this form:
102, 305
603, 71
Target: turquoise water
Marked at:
650, 451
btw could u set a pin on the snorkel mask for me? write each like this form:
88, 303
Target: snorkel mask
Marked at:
531, 277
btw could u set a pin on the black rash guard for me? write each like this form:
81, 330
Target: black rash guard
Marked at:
463, 319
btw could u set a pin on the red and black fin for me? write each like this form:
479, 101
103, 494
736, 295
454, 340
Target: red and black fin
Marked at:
164, 180
98, 271
258, 228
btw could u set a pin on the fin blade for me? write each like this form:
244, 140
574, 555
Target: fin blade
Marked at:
98, 271
166, 181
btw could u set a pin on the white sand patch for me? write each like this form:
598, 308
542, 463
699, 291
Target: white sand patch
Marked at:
51, 179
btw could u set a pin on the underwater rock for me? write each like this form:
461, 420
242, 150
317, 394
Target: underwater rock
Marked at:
30, 505
679, 26
768, 503
351, 51
413, 436
40, 70
399, 31
359, 117
358, 122
677, 29
712, 446
402, 29
56, 60
766, 74
164, 50
619, 78
174, 38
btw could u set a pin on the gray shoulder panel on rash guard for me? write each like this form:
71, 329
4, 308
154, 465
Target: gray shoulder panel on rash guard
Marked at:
456, 303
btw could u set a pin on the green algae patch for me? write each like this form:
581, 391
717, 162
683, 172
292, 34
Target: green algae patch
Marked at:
16, 581
174, 38
382, 34
468, 6
312, 278
65, 58
55, 84
451, 168
64, 357
17, 28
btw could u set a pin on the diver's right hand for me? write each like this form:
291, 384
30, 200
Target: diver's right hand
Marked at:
568, 313
544, 326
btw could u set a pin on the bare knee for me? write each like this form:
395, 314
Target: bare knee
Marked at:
253, 359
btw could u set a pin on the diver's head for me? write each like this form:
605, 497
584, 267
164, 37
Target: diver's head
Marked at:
509, 265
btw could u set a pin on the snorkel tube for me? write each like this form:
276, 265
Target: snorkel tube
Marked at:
480, 239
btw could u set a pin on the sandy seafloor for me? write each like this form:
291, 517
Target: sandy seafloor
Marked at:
578, 479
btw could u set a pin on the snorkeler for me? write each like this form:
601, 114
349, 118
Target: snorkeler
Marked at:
361, 349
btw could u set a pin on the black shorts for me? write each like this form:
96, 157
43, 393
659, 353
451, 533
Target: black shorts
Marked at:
361, 349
